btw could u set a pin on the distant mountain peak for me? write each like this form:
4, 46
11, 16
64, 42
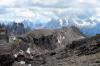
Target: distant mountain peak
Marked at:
85, 25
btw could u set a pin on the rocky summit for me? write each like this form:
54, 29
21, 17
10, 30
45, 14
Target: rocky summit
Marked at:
66, 46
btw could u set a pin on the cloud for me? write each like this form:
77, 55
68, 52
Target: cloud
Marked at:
25, 13
85, 24
50, 3
44, 10
7, 3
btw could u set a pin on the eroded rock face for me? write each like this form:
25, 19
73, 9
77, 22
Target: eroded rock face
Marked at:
53, 39
84, 47
46, 47
67, 35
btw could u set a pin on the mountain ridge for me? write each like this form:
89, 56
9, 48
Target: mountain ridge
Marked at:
88, 26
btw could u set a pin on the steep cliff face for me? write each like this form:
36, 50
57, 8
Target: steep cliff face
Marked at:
44, 40
17, 29
65, 35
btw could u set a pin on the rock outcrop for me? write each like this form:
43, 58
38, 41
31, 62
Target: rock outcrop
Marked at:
45, 40
45, 47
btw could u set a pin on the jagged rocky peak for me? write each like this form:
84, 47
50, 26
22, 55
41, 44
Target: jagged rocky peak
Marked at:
18, 28
68, 34
53, 39
14, 28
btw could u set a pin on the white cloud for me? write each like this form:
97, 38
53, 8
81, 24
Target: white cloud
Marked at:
47, 9
45, 2
50, 3
26, 13
6, 3
85, 24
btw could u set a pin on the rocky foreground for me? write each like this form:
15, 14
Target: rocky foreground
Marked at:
45, 47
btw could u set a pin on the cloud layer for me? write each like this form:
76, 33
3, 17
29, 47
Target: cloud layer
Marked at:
44, 10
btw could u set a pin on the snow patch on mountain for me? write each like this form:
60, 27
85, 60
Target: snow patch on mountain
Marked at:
88, 26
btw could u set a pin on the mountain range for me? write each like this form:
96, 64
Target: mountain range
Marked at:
88, 26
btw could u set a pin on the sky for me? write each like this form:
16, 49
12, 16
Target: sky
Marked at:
45, 10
